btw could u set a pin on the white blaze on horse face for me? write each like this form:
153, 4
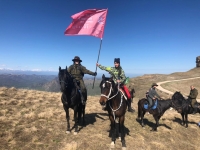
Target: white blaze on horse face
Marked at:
103, 85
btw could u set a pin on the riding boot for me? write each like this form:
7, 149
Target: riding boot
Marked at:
82, 98
129, 106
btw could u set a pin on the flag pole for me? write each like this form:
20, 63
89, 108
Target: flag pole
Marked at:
97, 62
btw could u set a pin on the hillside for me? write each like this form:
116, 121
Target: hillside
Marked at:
36, 120
143, 83
31, 119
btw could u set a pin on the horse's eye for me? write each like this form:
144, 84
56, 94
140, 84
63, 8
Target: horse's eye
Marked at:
103, 85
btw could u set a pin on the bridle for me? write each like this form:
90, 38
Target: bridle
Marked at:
110, 91
109, 98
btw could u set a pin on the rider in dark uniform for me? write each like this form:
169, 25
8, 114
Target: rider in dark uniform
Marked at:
77, 71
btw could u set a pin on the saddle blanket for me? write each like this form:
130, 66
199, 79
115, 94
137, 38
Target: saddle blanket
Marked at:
152, 107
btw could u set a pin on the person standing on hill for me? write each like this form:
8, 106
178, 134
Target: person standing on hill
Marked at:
192, 96
119, 77
77, 71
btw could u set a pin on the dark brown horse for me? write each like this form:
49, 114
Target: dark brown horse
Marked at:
162, 106
70, 98
116, 108
183, 106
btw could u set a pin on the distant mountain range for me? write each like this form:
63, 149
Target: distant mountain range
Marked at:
27, 72
40, 81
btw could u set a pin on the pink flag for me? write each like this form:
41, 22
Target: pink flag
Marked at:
88, 22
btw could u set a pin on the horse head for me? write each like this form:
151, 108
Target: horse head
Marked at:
177, 96
106, 86
177, 101
64, 79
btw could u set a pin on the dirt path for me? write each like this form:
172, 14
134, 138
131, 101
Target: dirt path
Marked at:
169, 92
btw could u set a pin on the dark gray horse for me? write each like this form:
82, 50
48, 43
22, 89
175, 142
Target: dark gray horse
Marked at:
183, 106
71, 98
162, 106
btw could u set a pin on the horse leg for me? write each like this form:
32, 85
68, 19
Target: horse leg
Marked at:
183, 119
113, 131
142, 116
186, 120
157, 122
67, 118
121, 126
83, 114
79, 114
75, 120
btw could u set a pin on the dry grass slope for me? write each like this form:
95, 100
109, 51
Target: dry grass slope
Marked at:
36, 120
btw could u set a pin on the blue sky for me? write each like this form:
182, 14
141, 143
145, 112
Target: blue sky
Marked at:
150, 36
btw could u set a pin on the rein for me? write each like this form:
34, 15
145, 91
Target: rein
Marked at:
63, 82
109, 98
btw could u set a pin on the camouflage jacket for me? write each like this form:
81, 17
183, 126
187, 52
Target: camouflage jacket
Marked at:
193, 94
78, 71
114, 72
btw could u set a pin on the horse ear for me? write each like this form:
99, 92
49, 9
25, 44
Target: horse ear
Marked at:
103, 76
59, 68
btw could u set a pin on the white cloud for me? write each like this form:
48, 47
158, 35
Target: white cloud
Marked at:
36, 69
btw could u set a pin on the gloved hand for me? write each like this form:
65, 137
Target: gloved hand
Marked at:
95, 73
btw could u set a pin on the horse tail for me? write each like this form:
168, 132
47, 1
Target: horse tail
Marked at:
139, 110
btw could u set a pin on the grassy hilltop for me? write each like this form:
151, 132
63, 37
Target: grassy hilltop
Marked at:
32, 119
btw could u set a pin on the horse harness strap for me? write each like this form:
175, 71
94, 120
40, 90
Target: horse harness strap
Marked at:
117, 108
123, 94
107, 96
63, 82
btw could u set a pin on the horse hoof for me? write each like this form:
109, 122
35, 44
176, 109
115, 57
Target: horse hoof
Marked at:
75, 133
68, 132
119, 136
123, 148
112, 145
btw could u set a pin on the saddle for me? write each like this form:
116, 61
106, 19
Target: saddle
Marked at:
154, 106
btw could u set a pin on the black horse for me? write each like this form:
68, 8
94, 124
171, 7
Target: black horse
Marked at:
116, 107
71, 98
162, 106
183, 106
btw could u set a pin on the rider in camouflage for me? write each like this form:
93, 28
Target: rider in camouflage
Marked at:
77, 71
118, 76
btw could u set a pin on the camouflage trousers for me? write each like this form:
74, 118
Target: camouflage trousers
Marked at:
83, 89
193, 102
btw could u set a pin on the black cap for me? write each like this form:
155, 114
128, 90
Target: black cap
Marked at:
117, 60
